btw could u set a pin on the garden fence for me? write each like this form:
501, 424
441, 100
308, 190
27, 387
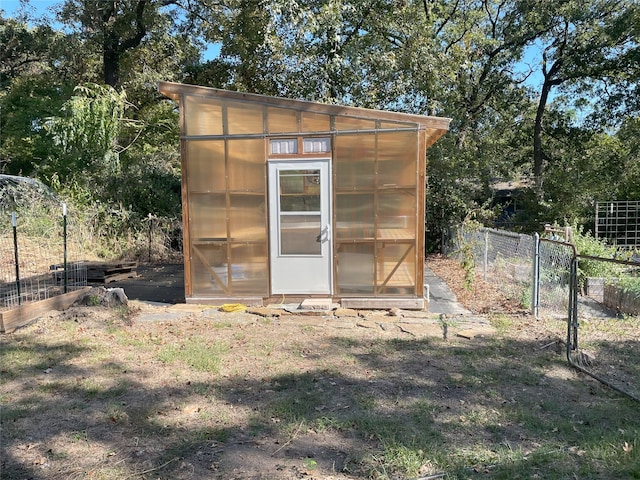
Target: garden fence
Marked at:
45, 251
40, 255
596, 318
507, 260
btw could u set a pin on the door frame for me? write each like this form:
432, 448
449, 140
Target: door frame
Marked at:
325, 259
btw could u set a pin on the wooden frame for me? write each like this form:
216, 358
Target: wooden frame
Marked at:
234, 121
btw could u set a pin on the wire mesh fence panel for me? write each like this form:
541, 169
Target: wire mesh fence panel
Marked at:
554, 276
607, 322
38, 239
510, 264
502, 258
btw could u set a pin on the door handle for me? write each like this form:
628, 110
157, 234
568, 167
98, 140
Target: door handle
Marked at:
325, 234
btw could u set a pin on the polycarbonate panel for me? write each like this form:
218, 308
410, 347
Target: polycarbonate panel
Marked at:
315, 122
207, 217
205, 166
300, 234
209, 269
202, 116
247, 170
282, 120
244, 118
247, 218
317, 145
397, 158
396, 267
352, 123
283, 146
397, 212
249, 269
354, 269
355, 216
354, 161
396, 125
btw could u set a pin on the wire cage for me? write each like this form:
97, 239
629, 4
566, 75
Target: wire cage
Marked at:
40, 244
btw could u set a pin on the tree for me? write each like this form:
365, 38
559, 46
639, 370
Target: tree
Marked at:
587, 46
120, 28
25, 50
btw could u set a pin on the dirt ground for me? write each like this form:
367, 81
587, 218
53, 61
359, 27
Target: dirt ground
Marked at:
190, 392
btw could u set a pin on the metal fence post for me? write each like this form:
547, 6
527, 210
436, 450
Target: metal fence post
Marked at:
572, 317
535, 280
486, 253
64, 242
14, 224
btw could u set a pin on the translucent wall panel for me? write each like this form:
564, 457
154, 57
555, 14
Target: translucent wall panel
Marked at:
351, 123
397, 158
282, 120
209, 269
395, 268
354, 161
315, 122
317, 145
354, 268
203, 116
396, 125
249, 269
207, 217
247, 218
244, 118
397, 211
247, 170
205, 166
355, 216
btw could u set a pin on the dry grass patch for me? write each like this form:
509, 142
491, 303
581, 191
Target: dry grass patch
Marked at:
94, 394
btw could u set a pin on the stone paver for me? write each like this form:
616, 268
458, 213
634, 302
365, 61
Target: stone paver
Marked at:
441, 298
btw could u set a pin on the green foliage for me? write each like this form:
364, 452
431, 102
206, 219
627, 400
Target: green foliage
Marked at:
630, 285
88, 131
587, 244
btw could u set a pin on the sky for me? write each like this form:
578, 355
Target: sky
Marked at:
40, 6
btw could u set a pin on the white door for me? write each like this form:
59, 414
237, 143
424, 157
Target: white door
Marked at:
300, 226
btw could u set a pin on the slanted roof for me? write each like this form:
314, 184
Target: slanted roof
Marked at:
434, 127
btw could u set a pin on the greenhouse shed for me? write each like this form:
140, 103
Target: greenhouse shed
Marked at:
293, 199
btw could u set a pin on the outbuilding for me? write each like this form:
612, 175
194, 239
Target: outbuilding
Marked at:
286, 200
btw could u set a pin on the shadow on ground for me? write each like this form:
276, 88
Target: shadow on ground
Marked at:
155, 283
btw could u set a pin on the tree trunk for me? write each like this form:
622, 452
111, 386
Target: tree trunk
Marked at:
538, 152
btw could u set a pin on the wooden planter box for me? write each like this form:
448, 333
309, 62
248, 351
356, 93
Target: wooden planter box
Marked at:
595, 288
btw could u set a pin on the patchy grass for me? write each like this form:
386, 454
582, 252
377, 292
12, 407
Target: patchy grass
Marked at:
195, 353
103, 396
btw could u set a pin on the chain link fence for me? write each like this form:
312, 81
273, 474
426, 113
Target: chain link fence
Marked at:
590, 304
604, 325
511, 261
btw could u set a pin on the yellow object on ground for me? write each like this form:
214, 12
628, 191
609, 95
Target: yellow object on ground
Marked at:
233, 307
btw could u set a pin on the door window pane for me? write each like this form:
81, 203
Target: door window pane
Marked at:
300, 235
300, 191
